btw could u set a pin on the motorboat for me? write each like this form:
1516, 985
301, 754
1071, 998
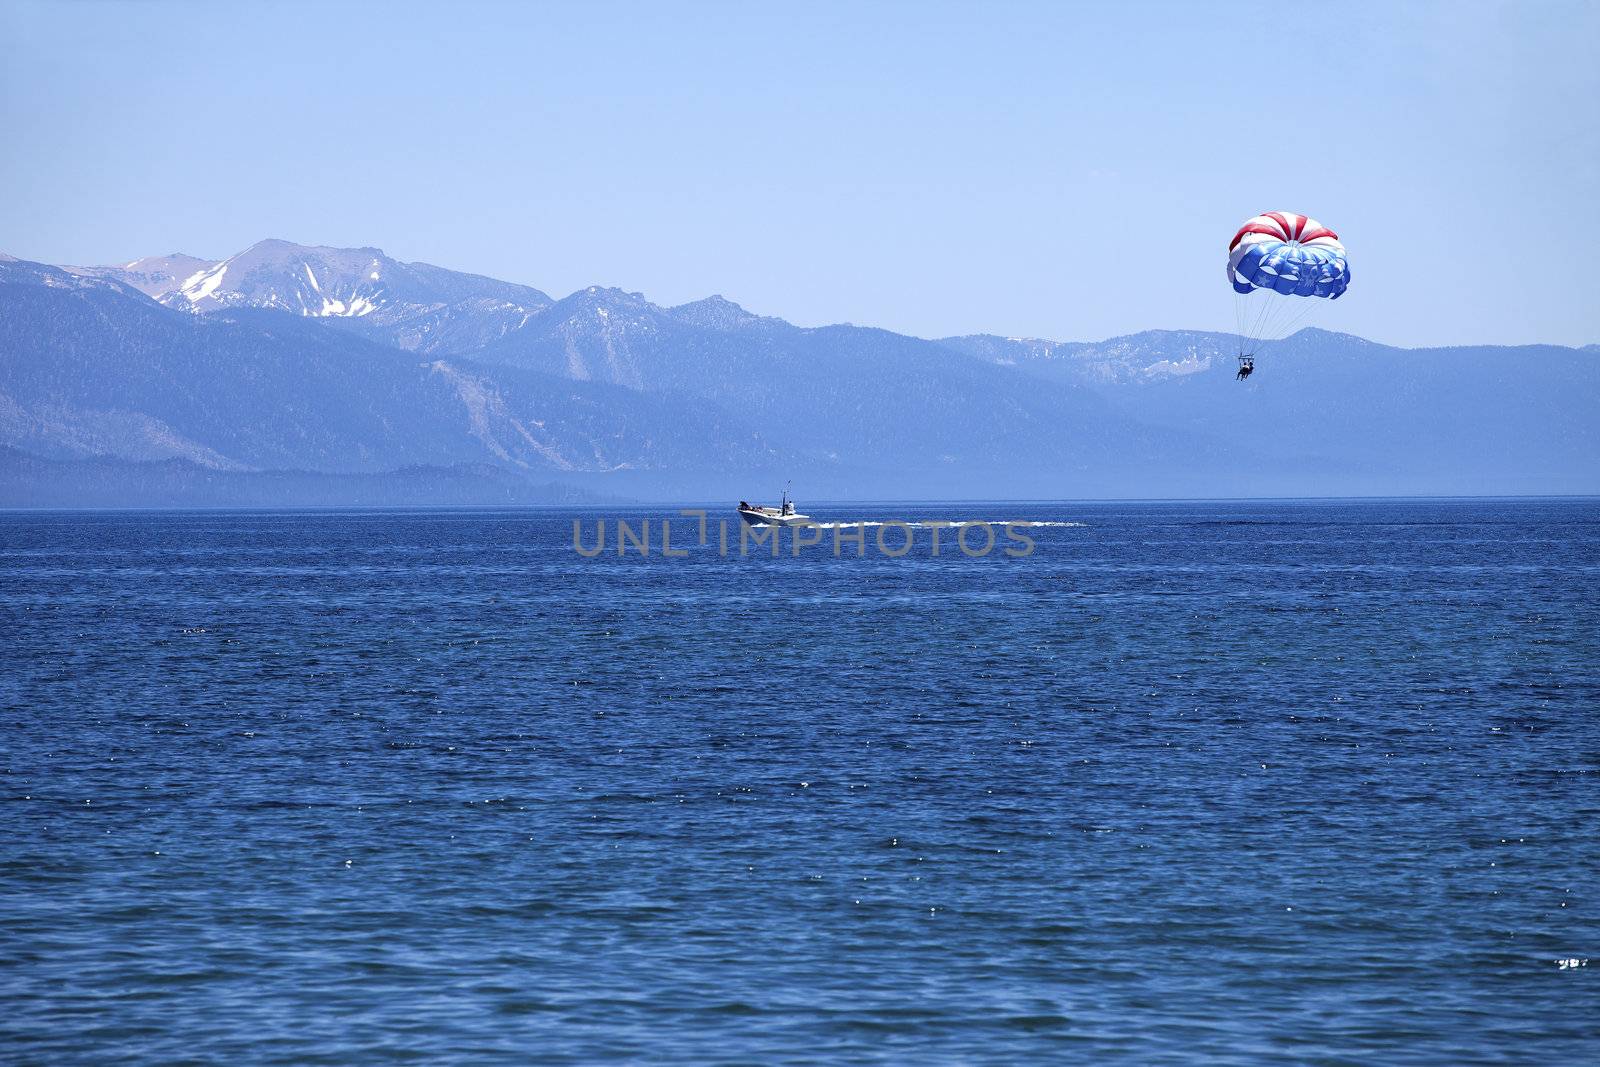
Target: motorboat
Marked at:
782, 515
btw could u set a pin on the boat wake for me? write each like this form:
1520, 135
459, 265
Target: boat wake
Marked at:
950, 523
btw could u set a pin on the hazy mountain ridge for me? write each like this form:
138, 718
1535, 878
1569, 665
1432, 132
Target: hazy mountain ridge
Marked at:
719, 313
414, 306
1136, 359
238, 369
16, 271
98, 370
867, 399
154, 276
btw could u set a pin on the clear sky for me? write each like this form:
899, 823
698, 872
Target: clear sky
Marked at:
1054, 170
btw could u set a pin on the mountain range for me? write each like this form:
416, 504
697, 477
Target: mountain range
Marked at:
291, 373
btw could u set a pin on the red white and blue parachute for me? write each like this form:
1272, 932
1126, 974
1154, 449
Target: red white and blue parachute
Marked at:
1274, 262
1290, 254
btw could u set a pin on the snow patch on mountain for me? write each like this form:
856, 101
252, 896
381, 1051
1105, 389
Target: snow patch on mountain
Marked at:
154, 276
204, 284
415, 306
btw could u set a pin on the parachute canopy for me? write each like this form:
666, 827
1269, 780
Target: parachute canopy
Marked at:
1289, 254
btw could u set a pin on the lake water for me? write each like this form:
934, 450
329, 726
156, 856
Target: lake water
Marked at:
1223, 782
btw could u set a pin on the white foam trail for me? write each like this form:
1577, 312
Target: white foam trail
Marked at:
951, 523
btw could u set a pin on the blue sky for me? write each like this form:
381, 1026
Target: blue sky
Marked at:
1065, 171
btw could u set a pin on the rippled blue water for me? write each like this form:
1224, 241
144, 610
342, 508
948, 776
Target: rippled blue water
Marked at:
1314, 782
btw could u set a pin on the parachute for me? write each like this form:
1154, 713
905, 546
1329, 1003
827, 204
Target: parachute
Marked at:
1275, 262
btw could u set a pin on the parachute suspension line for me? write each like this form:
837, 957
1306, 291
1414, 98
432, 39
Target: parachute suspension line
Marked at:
1256, 308
1240, 309
1258, 325
1249, 308
1309, 309
1276, 318
1270, 309
1288, 318
1266, 307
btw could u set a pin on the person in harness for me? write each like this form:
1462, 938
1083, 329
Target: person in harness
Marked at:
1247, 366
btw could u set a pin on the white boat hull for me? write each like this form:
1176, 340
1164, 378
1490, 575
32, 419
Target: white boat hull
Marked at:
772, 517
